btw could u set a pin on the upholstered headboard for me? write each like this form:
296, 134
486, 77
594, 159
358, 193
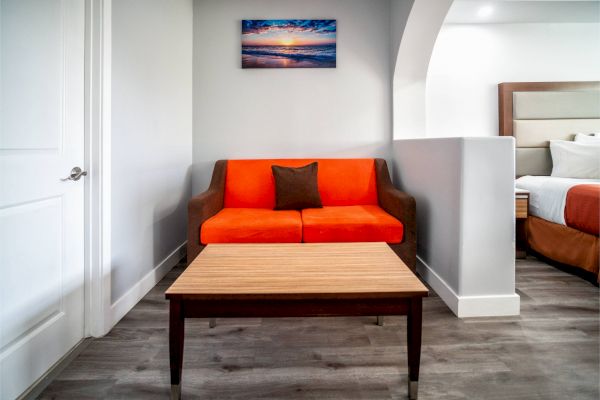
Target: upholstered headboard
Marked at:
537, 112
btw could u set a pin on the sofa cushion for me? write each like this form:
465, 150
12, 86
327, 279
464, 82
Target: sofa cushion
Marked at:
342, 182
252, 225
367, 223
296, 188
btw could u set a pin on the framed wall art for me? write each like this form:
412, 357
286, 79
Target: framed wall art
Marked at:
289, 43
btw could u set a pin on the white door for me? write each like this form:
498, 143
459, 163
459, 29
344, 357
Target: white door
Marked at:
41, 217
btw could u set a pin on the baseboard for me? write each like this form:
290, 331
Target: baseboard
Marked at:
36, 389
438, 285
126, 302
489, 306
469, 306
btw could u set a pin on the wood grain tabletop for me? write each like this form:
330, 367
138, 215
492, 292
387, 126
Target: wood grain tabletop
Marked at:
297, 270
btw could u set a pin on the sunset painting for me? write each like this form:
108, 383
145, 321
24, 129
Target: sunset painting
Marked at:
289, 43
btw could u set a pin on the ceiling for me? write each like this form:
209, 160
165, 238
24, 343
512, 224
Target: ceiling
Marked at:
517, 11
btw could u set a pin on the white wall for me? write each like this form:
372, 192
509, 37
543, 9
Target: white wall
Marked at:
257, 113
151, 142
399, 13
464, 189
469, 60
412, 58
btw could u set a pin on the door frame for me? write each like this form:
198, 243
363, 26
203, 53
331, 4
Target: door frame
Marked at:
97, 284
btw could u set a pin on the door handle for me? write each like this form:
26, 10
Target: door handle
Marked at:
76, 174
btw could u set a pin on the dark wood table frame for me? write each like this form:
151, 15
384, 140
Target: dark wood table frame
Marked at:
205, 306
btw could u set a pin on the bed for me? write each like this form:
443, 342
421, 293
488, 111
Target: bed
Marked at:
563, 211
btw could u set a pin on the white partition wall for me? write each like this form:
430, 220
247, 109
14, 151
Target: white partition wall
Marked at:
464, 188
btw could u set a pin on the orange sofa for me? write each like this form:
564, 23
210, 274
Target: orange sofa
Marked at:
360, 204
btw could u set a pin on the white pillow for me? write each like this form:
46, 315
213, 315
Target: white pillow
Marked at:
575, 160
587, 138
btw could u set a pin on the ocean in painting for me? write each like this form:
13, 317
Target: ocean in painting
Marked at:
323, 56
289, 43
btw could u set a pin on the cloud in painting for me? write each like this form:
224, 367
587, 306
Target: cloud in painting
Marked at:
320, 26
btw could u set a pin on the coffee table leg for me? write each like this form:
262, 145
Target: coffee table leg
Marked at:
176, 335
413, 331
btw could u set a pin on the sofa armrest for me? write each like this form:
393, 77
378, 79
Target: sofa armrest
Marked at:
203, 206
403, 207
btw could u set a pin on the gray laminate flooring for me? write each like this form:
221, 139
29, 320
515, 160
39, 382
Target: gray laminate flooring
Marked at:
550, 351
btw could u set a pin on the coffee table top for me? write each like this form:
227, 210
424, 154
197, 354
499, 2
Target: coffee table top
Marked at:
297, 271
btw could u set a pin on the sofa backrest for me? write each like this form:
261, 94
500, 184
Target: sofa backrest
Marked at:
342, 182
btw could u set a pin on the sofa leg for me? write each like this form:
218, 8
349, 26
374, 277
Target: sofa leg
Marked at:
212, 323
380, 320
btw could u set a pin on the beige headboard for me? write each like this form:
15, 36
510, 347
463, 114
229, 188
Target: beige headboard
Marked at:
537, 112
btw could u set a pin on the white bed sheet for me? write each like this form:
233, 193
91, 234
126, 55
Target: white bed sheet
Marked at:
548, 195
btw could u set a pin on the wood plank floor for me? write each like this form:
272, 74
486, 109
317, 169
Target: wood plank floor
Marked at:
550, 351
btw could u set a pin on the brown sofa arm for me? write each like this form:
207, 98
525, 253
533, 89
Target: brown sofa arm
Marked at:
403, 207
204, 206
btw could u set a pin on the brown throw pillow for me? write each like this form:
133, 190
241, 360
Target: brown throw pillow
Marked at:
296, 188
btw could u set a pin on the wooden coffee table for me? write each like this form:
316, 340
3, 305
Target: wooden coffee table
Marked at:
296, 280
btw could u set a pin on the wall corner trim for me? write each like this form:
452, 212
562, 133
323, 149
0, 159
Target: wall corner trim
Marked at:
98, 164
126, 302
469, 306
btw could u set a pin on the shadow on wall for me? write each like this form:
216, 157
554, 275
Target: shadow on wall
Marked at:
430, 171
166, 228
170, 222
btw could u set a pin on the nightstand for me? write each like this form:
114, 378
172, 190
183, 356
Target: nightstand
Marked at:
521, 214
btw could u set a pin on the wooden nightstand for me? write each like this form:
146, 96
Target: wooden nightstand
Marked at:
521, 214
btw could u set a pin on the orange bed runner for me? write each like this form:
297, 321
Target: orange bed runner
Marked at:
582, 209
563, 244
